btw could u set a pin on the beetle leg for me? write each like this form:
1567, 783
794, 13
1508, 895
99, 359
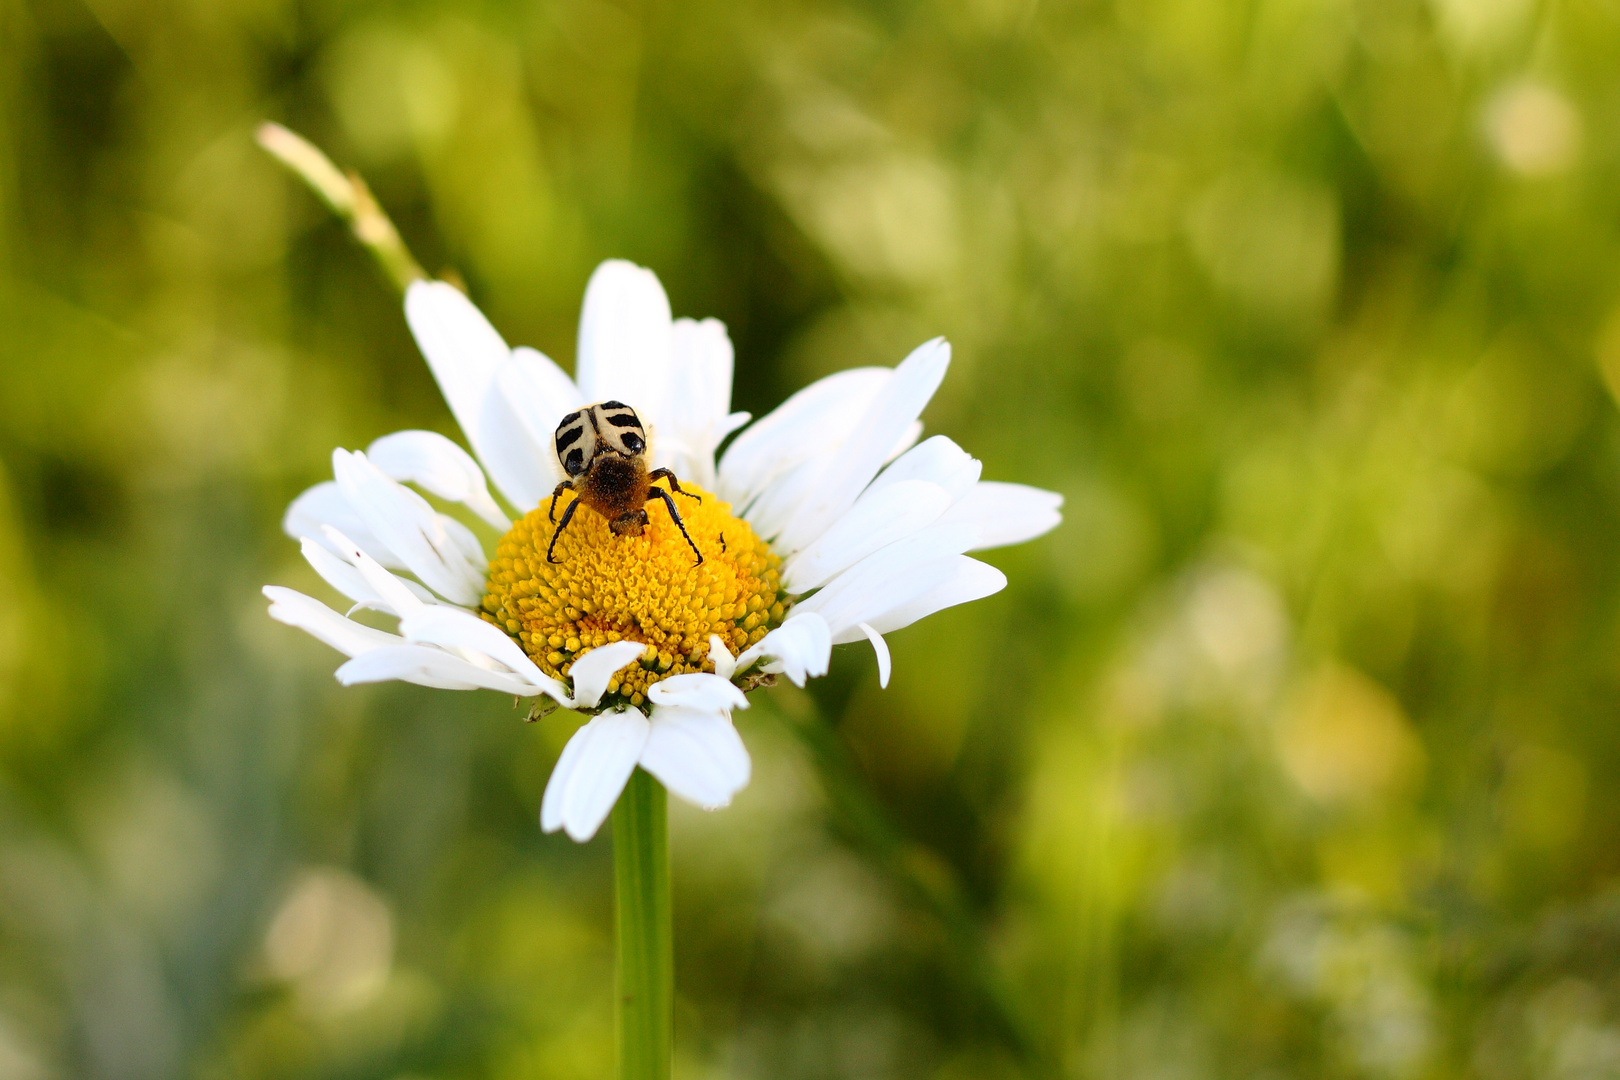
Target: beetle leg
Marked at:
669, 500
674, 484
551, 510
568, 515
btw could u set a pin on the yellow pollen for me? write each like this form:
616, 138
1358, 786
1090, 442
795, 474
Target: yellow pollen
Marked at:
605, 588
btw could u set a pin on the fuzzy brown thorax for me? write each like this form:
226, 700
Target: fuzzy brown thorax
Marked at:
616, 487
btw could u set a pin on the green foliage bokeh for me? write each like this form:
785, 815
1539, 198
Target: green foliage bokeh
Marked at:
1288, 754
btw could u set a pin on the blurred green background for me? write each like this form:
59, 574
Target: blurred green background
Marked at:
1291, 754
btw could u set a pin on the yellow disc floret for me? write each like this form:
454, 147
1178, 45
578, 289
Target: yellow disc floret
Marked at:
605, 588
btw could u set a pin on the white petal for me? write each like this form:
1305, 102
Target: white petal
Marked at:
805, 426
349, 581
725, 664
625, 339
697, 690
465, 352
770, 512
1005, 513
907, 440
426, 666
321, 622
592, 772
341, 576
393, 591
880, 647
789, 491
544, 382
539, 395
697, 412
434, 463
969, 579
593, 670
697, 755
466, 542
411, 529
461, 347
324, 504
801, 647
879, 518
518, 464
703, 363
938, 459
853, 465
889, 578
452, 628
870, 596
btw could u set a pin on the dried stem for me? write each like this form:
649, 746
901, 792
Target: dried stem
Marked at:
347, 196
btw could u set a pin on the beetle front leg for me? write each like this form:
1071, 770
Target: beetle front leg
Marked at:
675, 515
674, 484
551, 510
568, 515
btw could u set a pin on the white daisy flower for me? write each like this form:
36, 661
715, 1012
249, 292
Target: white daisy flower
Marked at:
820, 524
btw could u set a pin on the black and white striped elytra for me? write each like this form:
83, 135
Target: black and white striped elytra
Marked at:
603, 449
609, 424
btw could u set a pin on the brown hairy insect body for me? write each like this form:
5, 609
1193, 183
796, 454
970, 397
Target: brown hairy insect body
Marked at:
603, 449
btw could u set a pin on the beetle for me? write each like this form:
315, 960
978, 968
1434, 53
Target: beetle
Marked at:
603, 449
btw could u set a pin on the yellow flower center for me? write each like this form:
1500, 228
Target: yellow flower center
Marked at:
604, 588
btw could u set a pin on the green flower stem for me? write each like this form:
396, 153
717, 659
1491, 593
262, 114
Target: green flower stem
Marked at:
646, 984
347, 196
646, 980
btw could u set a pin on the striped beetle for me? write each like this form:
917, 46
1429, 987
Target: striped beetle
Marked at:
603, 449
